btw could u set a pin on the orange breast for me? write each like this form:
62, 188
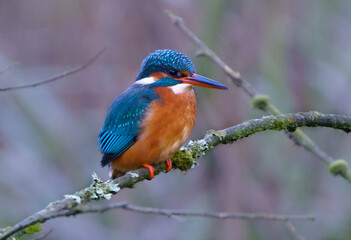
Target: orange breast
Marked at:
165, 128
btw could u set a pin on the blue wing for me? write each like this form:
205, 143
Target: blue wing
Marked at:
122, 124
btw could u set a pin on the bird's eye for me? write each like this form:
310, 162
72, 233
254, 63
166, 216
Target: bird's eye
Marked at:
173, 73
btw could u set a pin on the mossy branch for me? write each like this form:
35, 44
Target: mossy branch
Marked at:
184, 160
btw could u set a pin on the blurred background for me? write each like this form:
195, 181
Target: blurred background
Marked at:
298, 52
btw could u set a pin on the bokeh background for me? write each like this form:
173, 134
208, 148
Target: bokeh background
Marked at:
298, 52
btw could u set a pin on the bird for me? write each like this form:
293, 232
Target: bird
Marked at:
149, 121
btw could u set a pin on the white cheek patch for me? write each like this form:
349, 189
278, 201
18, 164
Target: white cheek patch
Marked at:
146, 81
181, 88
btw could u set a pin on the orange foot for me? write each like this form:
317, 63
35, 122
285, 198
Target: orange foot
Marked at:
151, 170
169, 165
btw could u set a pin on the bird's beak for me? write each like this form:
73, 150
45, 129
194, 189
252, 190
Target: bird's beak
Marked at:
199, 80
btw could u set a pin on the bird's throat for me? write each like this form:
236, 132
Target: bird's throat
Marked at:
181, 88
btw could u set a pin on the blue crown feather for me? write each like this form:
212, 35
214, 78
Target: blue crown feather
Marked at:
163, 60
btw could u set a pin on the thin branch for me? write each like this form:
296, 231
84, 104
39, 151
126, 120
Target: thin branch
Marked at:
61, 75
184, 213
191, 213
299, 137
184, 159
206, 51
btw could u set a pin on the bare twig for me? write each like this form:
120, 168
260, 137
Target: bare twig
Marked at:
186, 213
299, 137
184, 160
235, 76
61, 75
191, 213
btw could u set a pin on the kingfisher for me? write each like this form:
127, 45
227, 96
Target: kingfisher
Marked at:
150, 121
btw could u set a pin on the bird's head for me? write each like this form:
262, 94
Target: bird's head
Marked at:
169, 68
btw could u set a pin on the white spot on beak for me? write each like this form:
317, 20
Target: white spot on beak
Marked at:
181, 88
145, 81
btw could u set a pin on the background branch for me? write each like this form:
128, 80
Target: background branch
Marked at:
184, 213
299, 137
184, 160
62, 75
190, 213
